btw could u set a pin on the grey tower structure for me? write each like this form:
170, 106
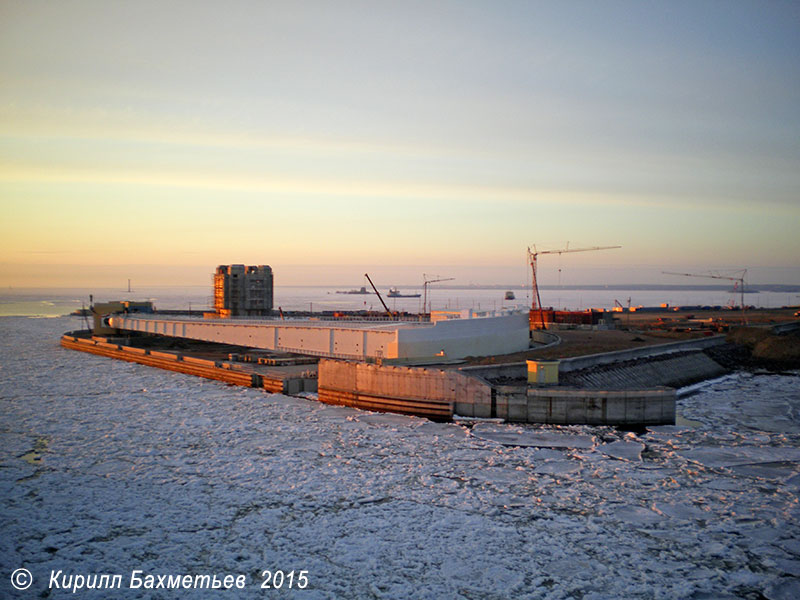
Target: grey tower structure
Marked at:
243, 291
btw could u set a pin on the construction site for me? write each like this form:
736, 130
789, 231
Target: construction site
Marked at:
539, 365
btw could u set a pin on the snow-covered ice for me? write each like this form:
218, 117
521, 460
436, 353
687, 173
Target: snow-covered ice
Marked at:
109, 467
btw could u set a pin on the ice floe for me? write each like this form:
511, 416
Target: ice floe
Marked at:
107, 466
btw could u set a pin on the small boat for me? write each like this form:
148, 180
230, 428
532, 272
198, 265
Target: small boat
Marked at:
510, 295
395, 293
362, 290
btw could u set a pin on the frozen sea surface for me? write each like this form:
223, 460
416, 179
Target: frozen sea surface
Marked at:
109, 467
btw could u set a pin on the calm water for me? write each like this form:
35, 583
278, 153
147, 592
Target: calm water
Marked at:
60, 301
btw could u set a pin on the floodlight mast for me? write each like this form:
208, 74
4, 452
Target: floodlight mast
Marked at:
738, 280
536, 302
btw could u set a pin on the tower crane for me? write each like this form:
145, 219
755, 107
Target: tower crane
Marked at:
536, 302
738, 282
425, 283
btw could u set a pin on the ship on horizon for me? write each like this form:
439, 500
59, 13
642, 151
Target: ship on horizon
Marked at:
395, 293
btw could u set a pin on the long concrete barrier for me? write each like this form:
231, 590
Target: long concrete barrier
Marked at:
171, 362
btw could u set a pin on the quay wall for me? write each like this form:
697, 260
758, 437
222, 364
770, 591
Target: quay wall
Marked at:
433, 393
592, 395
219, 370
572, 406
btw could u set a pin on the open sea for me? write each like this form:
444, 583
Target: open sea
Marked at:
60, 301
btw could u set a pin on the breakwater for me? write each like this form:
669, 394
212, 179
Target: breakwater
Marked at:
226, 371
598, 389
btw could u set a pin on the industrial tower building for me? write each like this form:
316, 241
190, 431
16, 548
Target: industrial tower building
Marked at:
241, 291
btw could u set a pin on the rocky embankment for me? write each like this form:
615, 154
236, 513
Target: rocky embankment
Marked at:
756, 347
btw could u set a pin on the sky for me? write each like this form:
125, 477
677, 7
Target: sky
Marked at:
154, 141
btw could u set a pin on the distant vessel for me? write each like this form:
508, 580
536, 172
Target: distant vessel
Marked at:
395, 293
510, 295
362, 290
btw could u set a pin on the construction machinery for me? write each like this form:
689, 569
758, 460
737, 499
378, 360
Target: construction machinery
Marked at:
738, 283
622, 309
388, 312
425, 284
536, 302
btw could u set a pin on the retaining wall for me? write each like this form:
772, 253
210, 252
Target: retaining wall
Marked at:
570, 406
432, 393
669, 370
574, 406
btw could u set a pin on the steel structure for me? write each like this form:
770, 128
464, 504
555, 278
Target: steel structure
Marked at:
536, 302
388, 312
425, 282
738, 281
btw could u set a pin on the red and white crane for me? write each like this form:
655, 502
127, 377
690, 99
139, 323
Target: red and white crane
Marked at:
536, 302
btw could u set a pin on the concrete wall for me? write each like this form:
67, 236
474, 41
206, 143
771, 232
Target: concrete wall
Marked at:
459, 338
434, 393
279, 336
518, 370
570, 406
546, 338
455, 338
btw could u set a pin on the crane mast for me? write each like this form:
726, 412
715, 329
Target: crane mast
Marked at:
425, 283
536, 301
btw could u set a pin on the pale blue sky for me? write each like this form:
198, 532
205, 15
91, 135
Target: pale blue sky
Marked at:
447, 135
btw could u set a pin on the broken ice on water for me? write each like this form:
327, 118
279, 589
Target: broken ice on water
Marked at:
109, 467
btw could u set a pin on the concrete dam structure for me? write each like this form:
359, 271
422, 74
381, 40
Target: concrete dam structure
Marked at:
369, 365
402, 366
